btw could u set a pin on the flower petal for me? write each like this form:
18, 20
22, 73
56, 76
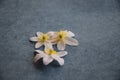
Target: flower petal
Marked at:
61, 45
57, 58
39, 33
48, 45
42, 54
34, 39
37, 57
51, 33
71, 41
38, 44
53, 40
62, 53
47, 60
70, 34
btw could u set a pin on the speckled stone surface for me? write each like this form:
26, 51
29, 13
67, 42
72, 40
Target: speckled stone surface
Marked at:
96, 24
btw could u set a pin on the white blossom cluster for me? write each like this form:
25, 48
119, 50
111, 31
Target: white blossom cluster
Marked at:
60, 38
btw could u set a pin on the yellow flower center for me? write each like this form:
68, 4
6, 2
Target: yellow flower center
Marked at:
61, 35
50, 51
43, 38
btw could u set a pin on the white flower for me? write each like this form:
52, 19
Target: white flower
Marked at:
41, 39
63, 37
49, 55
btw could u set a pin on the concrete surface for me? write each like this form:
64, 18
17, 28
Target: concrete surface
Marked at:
96, 24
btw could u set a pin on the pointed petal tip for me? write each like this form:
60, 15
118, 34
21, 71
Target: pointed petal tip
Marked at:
58, 59
61, 45
61, 62
39, 33
71, 33
33, 39
47, 60
36, 51
76, 44
71, 41
38, 45
66, 52
36, 58
62, 53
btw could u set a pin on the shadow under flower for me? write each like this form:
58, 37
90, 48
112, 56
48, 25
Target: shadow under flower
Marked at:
39, 64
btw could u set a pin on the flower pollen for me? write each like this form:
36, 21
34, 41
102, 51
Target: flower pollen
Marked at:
50, 51
61, 35
43, 38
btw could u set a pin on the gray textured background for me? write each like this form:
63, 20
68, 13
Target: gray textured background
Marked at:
96, 24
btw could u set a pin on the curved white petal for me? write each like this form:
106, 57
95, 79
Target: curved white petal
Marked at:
70, 34
62, 53
47, 60
61, 45
42, 54
71, 41
38, 44
39, 33
57, 58
48, 45
51, 33
38, 51
37, 57
34, 39
53, 40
